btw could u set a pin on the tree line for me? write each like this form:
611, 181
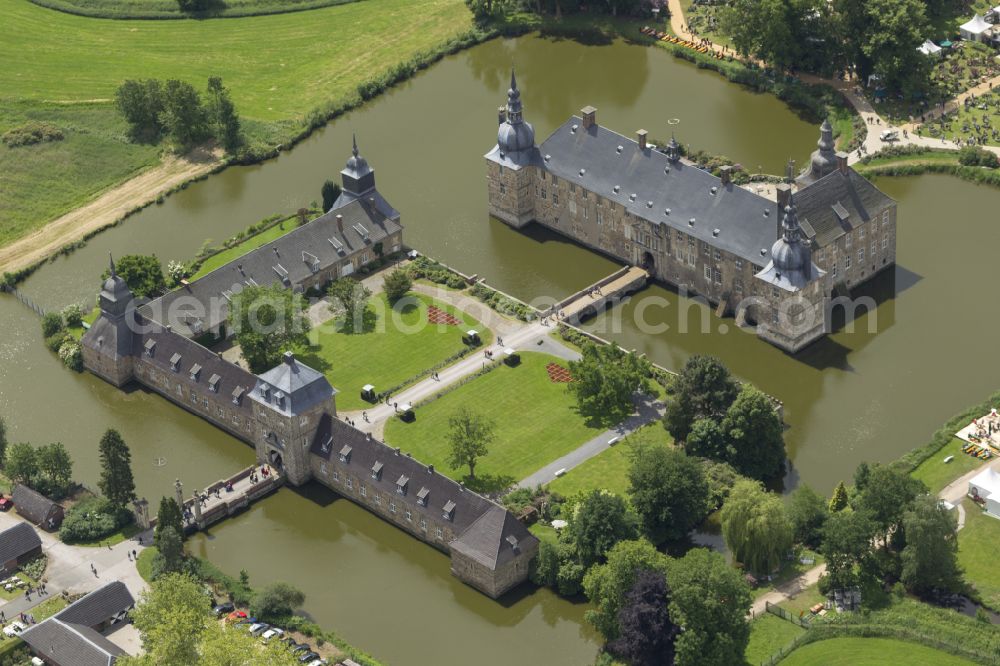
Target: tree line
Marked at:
176, 110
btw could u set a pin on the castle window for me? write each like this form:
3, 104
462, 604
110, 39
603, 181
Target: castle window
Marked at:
322, 468
861, 255
345, 454
885, 217
708, 272
378, 500
543, 193
194, 397
503, 189
377, 471
861, 232
738, 285
422, 496
401, 484
364, 490
448, 513
847, 263
392, 507
774, 292
706, 250
439, 534
718, 255
336, 476
718, 276
885, 242
423, 524
774, 317
739, 264
847, 243
409, 515
874, 248
555, 199
834, 267
350, 483
600, 217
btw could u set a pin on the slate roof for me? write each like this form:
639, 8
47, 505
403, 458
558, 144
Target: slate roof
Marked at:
291, 387
652, 178
17, 541
290, 259
822, 204
71, 644
477, 538
33, 505
168, 344
99, 606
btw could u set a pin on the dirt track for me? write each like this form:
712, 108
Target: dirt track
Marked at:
106, 209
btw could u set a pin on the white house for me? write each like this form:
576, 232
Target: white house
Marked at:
929, 48
986, 487
976, 30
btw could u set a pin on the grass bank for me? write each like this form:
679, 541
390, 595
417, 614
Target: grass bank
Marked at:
977, 544
870, 652
169, 9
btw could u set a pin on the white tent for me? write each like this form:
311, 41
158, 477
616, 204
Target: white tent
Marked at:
929, 48
986, 486
975, 30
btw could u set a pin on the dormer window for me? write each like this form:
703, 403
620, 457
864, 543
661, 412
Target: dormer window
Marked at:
195, 372
325, 447
150, 347
377, 471
512, 540
345, 454
237, 395
175, 362
401, 484
263, 391
279, 399
213, 383
422, 496
448, 512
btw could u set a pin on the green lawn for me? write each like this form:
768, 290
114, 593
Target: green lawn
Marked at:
803, 601
545, 533
144, 565
937, 474
252, 243
977, 548
49, 607
64, 69
608, 470
170, 9
399, 346
869, 652
17, 592
536, 420
768, 634
94, 156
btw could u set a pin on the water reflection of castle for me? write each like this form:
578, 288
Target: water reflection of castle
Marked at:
774, 262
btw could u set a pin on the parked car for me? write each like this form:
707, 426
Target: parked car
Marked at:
273, 632
14, 628
237, 617
889, 135
300, 647
307, 657
317, 662
5, 503
259, 628
222, 609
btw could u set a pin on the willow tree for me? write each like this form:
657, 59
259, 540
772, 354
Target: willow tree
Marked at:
756, 527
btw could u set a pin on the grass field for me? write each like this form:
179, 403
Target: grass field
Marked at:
536, 421
803, 601
170, 9
608, 470
64, 69
768, 634
389, 354
936, 474
977, 546
144, 565
252, 243
42, 181
48, 608
869, 652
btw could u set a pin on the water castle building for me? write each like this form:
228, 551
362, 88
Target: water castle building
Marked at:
776, 263
289, 413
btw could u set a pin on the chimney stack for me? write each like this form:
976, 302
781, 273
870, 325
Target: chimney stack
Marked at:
502, 115
842, 161
589, 114
641, 138
784, 192
726, 174
340, 223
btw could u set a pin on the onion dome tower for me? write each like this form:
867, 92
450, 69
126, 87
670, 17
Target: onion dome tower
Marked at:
824, 159
515, 135
790, 254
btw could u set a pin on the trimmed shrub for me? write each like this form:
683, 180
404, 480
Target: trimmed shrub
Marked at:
90, 520
71, 355
30, 133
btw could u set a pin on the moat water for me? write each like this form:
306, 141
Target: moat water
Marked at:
858, 396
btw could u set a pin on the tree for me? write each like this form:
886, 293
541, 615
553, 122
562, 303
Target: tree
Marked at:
277, 601
141, 103
330, 192
755, 527
21, 463
470, 435
895, 28
52, 323
183, 115
755, 435
142, 273
397, 284
669, 492
888, 494
268, 321
601, 519
838, 501
55, 464
606, 585
222, 111
605, 378
703, 389
707, 440
72, 315
117, 482
845, 543
169, 556
646, 634
168, 517
710, 599
228, 646
352, 297
3, 441
170, 617
807, 511
930, 557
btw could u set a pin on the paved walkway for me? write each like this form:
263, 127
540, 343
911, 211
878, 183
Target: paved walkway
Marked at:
647, 412
787, 590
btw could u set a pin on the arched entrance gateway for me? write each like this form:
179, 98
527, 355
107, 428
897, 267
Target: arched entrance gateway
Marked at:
274, 458
648, 262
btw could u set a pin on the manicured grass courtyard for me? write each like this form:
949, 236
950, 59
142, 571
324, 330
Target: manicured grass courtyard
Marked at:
250, 244
768, 634
398, 346
49, 607
869, 652
608, 470
977, 548
536, 421
170, 9
144, 564
937, 474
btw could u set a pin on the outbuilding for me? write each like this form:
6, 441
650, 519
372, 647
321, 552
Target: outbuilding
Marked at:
985, 489
18, 544
37, 508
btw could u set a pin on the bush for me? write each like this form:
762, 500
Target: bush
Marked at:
502, 304
977, 156
90, 520
34, 569
52, 323
72, 316
55, 342
32, 132
428, 269
71, 355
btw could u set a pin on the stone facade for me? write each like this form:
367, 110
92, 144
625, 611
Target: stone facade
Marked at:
649, 207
